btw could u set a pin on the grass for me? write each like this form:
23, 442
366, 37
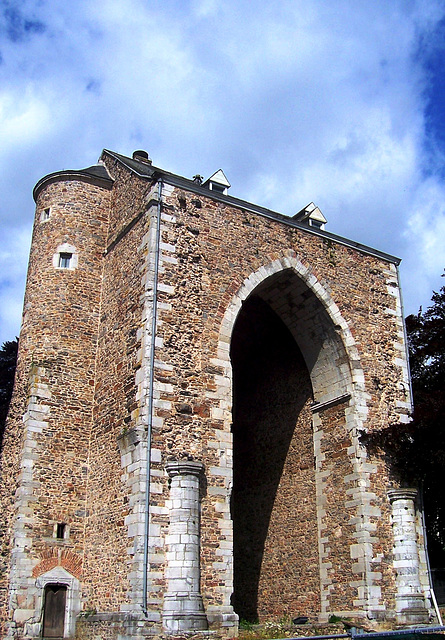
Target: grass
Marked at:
283, 628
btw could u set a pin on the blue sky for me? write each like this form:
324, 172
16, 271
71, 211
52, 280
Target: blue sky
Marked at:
340, 102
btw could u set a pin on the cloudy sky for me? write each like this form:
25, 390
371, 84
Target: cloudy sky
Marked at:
340, 102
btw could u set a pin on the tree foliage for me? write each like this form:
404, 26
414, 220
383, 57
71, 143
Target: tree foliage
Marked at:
426, 455
8, 361
416, 451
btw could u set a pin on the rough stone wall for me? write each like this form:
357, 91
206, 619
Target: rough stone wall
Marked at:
12, 447
106, 572
381, 535
219, 247
339, 510
55, 380
91, 468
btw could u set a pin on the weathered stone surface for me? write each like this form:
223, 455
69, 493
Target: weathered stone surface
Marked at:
275, 346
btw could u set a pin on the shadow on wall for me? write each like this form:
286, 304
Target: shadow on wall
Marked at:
273, 465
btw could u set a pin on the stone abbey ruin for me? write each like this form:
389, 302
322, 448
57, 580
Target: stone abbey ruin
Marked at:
183, 445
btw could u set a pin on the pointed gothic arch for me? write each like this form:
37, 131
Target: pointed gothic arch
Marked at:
310, 315
301, 301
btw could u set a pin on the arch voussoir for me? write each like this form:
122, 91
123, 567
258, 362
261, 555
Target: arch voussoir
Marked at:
336, 366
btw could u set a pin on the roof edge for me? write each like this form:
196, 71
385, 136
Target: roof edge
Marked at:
185, 183
84, 175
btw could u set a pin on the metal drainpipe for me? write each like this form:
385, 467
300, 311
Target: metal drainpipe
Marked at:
405, 335
150, 401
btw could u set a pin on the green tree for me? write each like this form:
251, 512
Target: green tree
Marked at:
8, 361
416, 451
425, 457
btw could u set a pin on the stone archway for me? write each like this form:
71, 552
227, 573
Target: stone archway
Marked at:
322, 340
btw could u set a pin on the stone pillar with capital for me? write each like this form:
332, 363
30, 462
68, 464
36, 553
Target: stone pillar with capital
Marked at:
410, 601
183, 607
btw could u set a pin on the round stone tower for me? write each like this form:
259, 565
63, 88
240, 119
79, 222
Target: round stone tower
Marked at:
47, 442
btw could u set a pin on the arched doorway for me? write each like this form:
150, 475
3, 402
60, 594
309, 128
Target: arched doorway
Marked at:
54, 611
287, 357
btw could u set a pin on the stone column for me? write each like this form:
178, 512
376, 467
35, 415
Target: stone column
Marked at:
183, 608
410, 601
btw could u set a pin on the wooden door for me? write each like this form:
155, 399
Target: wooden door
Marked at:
54, 611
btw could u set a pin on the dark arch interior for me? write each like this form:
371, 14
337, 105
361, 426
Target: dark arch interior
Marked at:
273, 499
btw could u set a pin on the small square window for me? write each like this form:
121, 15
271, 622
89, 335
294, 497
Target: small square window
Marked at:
61, 530
45, 214
65, 260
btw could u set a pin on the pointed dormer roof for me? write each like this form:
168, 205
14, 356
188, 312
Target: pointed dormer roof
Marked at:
217, 182
311, 216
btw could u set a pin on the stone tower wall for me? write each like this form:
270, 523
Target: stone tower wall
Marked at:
55, 383
111, 531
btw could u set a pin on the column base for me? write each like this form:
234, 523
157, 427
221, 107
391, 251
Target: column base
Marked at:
184, 612
411, 609
221, 617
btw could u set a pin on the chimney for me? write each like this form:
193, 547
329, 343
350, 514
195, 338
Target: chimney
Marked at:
141, 156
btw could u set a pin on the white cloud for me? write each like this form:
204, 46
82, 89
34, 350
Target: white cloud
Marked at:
14, 250
425, 235
295, 100
205, 8
24, 119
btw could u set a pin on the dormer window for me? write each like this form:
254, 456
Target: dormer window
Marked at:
218, 187
218, 182
311, 216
